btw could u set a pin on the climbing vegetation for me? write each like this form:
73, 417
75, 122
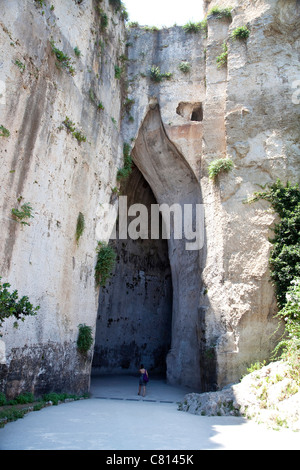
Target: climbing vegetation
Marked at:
63, 61
40, 3
118, 72
124, 172
150, 29
12, 306
128, 103
191, 27
20, 64
218, 166
77, 51
289, 346
75, 132
116, 4
133, 24
285, 262
85, 338
21, 215
4, 132
119, 6
285, 256
157, 76
222, 58
103, 19
106, 257
99, 104
184, 66
80, 226
219, 13
242, 32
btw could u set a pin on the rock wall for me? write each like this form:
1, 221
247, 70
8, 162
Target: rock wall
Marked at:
44, 164
223, 302
247, 113
261, 135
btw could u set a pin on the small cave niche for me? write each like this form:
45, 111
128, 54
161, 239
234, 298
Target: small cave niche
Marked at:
190, 111
197, 114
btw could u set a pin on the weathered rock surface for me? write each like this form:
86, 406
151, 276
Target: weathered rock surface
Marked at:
270, 396
248, 114
223, 302
44, 164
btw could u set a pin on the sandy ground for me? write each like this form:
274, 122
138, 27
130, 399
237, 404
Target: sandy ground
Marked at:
115, 418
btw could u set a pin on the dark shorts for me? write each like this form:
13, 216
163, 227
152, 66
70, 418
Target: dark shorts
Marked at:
141, 382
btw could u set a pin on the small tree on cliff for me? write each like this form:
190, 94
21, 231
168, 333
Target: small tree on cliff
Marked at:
12, 306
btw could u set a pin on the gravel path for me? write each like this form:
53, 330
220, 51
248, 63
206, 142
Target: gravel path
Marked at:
115, 418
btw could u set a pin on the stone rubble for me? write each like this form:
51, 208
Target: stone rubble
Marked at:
269, 396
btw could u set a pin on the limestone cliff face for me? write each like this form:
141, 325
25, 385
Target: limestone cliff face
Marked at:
249, 115
223, 302
44, 164
261, 135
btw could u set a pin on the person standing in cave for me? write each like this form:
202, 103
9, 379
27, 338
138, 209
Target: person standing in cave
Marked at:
143, 380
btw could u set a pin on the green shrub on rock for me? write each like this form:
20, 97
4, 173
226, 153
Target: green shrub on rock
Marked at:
218, 166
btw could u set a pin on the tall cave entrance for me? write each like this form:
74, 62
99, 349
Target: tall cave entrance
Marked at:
154, 308
135, 307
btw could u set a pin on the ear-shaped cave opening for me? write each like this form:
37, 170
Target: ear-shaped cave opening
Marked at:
135, 306
197, 113
153, 308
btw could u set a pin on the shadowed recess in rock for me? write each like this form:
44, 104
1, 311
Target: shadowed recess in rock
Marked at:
135, 307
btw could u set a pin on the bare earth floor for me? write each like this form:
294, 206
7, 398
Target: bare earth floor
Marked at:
116, 418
